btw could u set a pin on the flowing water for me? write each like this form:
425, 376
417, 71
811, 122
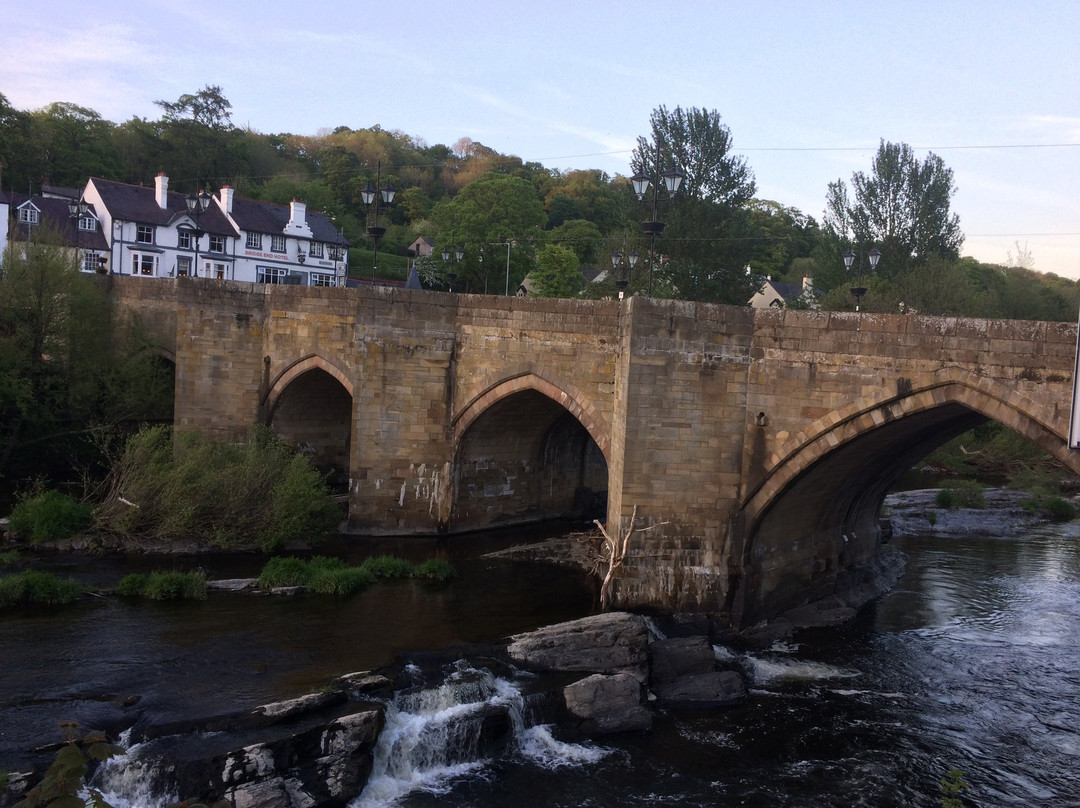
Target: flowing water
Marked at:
971, 663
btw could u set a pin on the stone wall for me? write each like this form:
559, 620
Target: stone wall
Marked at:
755, 445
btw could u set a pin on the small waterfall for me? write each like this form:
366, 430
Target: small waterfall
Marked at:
435, 735
130, 780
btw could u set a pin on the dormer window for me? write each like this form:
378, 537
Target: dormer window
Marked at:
28, 214
88, 224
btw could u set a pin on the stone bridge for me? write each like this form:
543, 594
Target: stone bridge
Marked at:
758, 444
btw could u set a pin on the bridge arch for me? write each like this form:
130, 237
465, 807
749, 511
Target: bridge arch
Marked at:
310, 402
566, 395
528, 449
813, 515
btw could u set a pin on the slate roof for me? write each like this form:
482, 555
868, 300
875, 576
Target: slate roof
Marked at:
54, 214
268, 217
138, 203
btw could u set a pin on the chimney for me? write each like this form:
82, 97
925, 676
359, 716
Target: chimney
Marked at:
298, 225
226, 197
161, 191
298, 214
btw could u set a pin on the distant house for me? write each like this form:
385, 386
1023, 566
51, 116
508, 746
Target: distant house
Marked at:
422, 248
151, 232
78, 228
776, 294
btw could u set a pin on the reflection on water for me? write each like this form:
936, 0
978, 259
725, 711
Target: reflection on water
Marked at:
969, 664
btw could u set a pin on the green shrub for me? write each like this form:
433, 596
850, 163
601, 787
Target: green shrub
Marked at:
9, 558
164, 586
343, 581
962, 494
283, 571
255, 493
31, 587
1061, 510
49, 515
435, 569
386, 566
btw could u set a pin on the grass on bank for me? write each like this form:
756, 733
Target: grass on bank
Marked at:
41, 516
332, 576
29, 588
164, 586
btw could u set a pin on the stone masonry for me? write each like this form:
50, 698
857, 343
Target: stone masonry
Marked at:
756, 445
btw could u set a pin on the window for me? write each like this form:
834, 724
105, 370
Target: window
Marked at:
143, 264
183, 239
28, 215
89, 262
87, 223
183, 266
277, 244
315, 249
271, 274
217, 244
218, 272
254, 241
144, 233
321, 279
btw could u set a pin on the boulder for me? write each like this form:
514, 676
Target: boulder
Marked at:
681, 656
615, 642
716, 689
605, 704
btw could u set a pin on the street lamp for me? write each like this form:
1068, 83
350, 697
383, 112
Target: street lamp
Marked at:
507, 245
458, 254
197, 205
622, 279
78, 210
672, 179
849, 258
336, 253
368, 195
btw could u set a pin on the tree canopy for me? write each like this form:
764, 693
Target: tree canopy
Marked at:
902, 207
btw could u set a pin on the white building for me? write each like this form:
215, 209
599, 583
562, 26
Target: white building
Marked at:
152, 232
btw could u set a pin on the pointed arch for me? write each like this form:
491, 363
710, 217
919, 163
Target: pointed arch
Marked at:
563, 394
296, 369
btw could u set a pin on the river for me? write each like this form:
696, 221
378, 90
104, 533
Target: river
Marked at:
970, 663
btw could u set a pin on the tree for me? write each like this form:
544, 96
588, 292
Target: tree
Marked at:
63, 366
494, 210
705, 225
581, 236
72, 143
557, 273
902, 208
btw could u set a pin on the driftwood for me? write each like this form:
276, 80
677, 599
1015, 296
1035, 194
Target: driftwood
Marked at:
608, 552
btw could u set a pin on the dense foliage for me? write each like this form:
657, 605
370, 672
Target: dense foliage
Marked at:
31, 587
67, 367
470, 195
332, 576
48, 515
258, 493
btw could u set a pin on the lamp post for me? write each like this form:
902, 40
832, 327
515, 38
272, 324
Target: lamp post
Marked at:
368, 195
672, 179
336, 253
859, 290
458, 254
78, 210
507, 245
622, 279
197, 205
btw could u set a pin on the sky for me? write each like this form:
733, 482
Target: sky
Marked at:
807, 88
